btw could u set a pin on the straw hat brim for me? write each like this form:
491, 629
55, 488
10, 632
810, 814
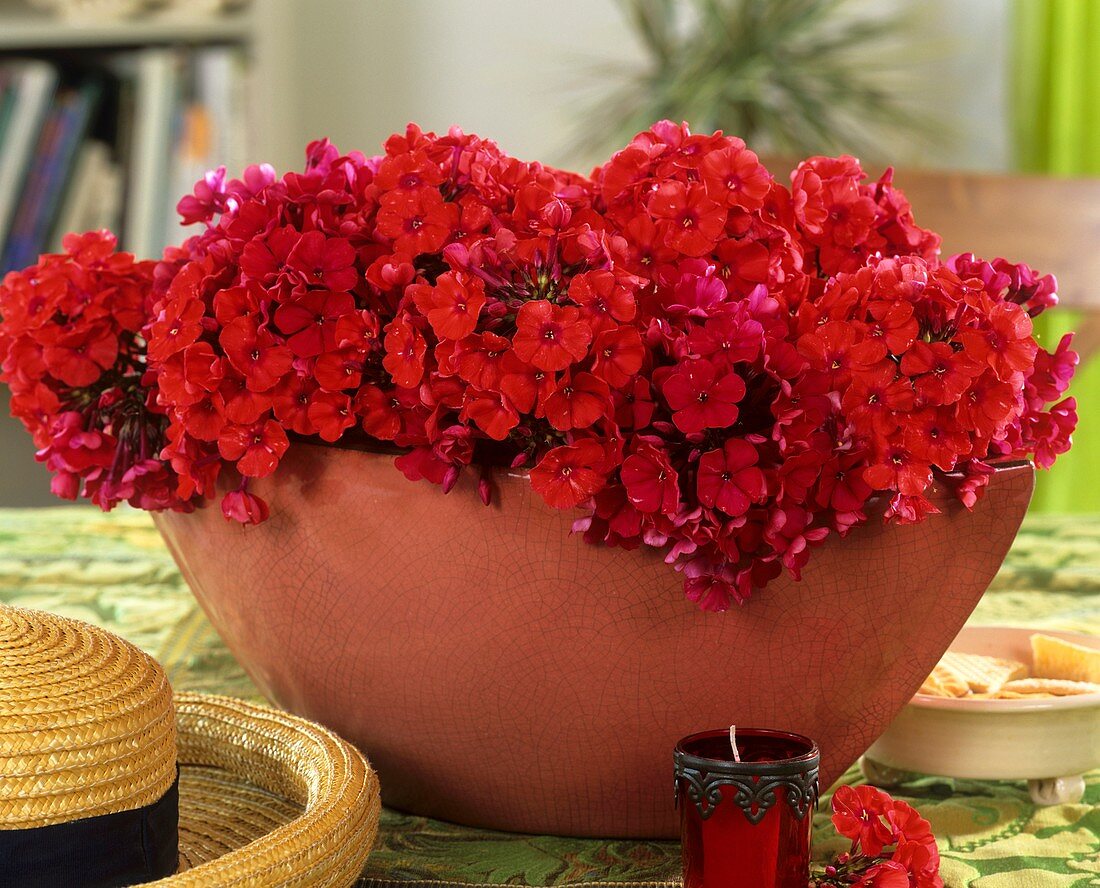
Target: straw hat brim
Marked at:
268, 799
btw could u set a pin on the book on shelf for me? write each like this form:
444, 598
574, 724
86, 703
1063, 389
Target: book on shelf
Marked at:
49, 172
28, 90
113, 139
94, 196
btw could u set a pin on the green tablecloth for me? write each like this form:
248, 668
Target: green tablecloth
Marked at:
113, 570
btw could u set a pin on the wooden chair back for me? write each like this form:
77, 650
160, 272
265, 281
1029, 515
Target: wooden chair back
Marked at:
1051, 224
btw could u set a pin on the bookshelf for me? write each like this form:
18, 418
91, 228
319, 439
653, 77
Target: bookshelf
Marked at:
134, 141
108, 122
22, 32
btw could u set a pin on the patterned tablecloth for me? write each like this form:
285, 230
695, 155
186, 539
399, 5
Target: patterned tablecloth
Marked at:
113, 570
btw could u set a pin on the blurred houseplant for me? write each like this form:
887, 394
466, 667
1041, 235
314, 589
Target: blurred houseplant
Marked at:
790, 77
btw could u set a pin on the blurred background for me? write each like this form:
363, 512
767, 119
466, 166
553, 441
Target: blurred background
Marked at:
990, 110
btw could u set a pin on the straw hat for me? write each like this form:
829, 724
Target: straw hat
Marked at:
90, 742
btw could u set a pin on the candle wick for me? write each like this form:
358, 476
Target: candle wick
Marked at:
733, 743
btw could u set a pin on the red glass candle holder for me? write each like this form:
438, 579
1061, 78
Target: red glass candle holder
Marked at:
746, 824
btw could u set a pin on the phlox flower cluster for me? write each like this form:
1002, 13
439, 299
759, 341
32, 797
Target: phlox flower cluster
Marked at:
699, 357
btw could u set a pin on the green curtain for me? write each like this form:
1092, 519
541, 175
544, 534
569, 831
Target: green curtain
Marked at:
1056, 125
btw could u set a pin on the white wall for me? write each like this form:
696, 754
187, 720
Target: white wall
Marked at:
520, 71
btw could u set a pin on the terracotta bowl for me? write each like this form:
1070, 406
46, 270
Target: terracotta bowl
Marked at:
502, 673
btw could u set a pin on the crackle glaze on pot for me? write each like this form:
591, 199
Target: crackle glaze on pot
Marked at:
503, 673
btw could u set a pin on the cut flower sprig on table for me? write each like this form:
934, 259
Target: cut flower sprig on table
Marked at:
892, 845
699, 357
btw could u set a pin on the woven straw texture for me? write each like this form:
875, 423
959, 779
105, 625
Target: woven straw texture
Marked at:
87, 727
269, 799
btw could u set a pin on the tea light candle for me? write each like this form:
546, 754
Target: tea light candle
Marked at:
746, 823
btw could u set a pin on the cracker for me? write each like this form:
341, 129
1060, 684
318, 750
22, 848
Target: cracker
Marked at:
1058, 687
1002, 694
982, 674
943, 683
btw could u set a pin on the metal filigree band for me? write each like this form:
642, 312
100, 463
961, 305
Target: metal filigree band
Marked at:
754, 797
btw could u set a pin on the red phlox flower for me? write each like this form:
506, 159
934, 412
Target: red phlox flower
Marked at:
74, 448
907, 825
550, 337
244, 507
728, 339
408, 172
896, 468
702, 397
987, 405
290, 402
693, 222
242, 405
933, 435
256, 449
1053, 372
492, 413
734, 176
238, 302
405, 350
878, 399
417, 221
831, 206
310, 320
652, 484
646, 245
330, 414
264, 259
1003, 341
180, 324
422, 463
921, 861
858, 813
339, 370
603, 297
524, 385
577, 401
1049, 433
694, 290
79, 356
618, 355
320, 261
841, 486
839, 349
452, 306
614, 522
205, 418
909, 508
887, 874
743, 263
634, 405
940, 374
894, 324
380, 412
207, 200
790, 533
729, 479
255, 354
480, 359
570, 474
